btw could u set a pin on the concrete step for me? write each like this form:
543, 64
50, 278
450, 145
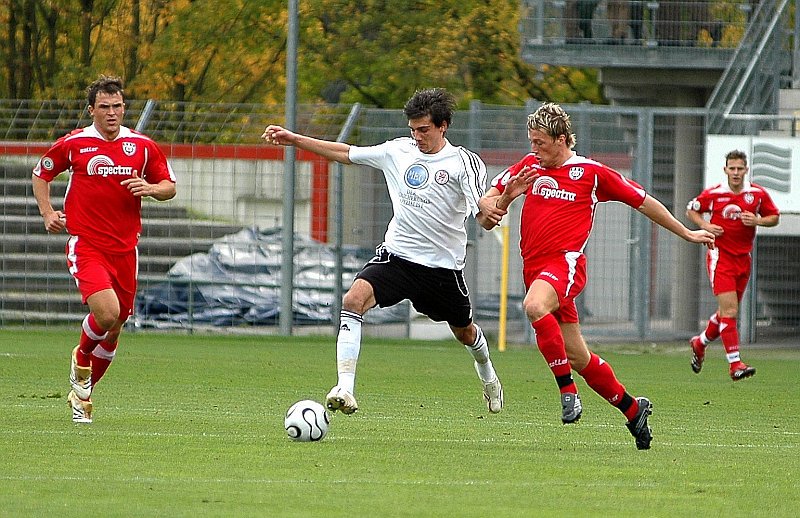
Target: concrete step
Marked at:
172, 228
40, 243
34, 285
15, 205
56, 263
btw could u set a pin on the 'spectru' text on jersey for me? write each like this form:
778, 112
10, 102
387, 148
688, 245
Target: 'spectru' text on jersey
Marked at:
109, 170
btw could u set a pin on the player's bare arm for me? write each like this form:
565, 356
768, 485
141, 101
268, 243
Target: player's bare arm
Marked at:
280, 136
754, 220
54, 220
658, 213
697, 218
490, 214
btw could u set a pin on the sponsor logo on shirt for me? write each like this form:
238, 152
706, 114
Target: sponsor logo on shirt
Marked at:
89, 149
102, 165
416, 176
732, 212
413, 199
547, 187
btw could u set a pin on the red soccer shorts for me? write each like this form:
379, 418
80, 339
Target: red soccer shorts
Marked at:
566, 273
728, 272
95, 270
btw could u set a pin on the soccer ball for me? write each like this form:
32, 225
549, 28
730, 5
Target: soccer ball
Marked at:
307, 421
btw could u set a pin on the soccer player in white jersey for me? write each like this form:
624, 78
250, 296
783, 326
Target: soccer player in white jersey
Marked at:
562, 190
735, 208
434, 186
111, 169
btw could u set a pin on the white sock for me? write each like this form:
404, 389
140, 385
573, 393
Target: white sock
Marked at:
480, 352
348, 345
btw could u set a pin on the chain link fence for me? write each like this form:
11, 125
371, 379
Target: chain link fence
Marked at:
210, 258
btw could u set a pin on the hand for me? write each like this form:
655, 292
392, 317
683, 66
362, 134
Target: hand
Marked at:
749, 219
55, 222
714, 229
138, 186
488, 207
520, 182
703, 237
278, 136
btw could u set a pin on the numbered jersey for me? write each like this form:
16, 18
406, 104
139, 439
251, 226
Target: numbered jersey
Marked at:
726, 209
559, 207
98, 207
432, 196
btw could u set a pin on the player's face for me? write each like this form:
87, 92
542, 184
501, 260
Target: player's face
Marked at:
736, 171
107, 113
549, 150
429, 137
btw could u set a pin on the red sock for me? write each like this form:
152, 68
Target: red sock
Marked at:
730, 339
101, 358
712, 328
91, 335
601, 378
551, 345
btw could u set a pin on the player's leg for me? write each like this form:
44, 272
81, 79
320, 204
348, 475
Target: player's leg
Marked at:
539, 303
599, 375
124, 273
358, 299
104, 308
475, 342
104, 353
728, 310
443, 296
699, 342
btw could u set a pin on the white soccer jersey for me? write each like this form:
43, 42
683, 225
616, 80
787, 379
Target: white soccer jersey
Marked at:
431, 196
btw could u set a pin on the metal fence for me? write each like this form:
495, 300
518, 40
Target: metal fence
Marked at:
210, 258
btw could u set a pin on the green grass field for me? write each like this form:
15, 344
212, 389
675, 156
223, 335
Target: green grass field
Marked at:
193, 426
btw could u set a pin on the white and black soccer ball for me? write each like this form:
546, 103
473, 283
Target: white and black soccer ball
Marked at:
307, 421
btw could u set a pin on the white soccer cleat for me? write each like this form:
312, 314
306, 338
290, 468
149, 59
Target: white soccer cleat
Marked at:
341, 400
493, 394
80, 378
81, 409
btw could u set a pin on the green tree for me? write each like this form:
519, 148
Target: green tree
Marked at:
372, 51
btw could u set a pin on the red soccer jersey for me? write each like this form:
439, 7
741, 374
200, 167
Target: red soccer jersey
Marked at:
98, 208
559, 207
726, 209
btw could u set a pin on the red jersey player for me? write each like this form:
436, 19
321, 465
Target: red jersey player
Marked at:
111, 169
562, 190
736, 208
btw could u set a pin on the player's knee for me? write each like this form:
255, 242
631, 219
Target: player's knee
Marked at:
534, 309
106, 319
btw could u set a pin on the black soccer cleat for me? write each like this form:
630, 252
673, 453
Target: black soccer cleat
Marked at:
742, 371
638, 425
571, 408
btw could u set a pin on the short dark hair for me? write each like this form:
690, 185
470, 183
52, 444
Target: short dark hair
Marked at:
736, 155
105, 84
436, 102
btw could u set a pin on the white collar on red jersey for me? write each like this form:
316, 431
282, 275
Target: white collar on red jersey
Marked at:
92, 131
